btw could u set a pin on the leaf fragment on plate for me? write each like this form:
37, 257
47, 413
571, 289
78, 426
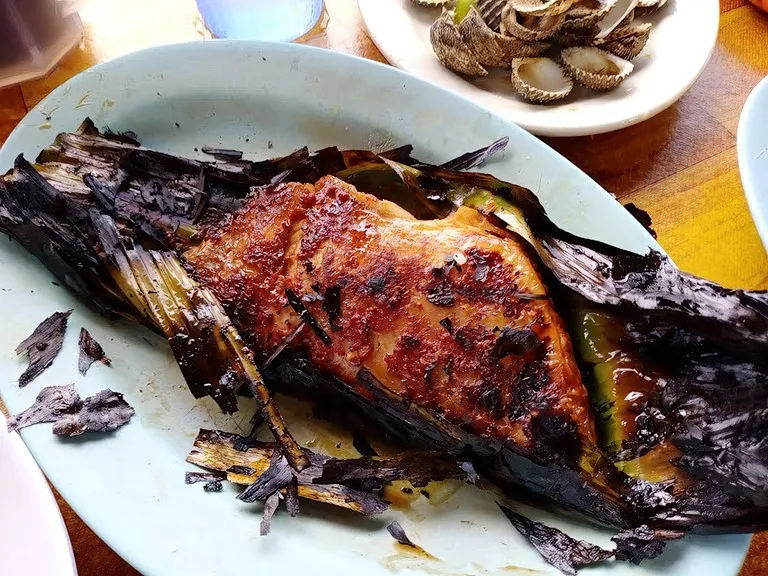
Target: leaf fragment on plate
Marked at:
276, 477
212, 481
102, 412
563, 552
642, 543
90, 352
292, 497
215, 450
43, 345
71, 416
52, 404
270, 506
397, 532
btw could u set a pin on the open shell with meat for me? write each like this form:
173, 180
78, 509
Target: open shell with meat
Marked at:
540, 80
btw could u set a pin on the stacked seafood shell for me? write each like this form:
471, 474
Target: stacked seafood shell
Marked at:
549, 45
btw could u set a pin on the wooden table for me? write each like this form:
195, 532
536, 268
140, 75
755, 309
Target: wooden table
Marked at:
679, 166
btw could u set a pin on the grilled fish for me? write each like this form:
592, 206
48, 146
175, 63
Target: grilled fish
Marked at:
441, 330
449, 314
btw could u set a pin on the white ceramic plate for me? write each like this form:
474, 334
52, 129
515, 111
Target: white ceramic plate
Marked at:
33, 538
682, 40
752, 144
128, 486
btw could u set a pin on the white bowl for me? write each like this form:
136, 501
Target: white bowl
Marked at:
752, 145
33, 538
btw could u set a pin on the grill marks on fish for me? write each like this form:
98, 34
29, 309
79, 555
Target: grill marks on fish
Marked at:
449, 334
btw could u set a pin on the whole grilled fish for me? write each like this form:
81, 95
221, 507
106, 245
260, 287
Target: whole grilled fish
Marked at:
444, 331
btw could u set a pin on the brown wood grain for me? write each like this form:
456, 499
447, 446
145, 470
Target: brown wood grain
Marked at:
679, 166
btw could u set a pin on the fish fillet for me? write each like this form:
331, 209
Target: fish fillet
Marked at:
442, 312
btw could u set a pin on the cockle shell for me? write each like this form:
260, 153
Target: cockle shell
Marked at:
491, 48
645, 7
586, 13
541, 7
594, 68
490, 10
432, 3
628, 19
482, 40
516, 48
451, 49
627, 41
615, 16
540, 80
568, 38
529, 28
467, 47
593, 39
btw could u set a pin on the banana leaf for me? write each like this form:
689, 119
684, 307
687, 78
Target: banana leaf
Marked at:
104, 264
215, 450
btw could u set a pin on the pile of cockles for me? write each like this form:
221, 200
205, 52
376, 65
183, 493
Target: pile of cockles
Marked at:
549, 45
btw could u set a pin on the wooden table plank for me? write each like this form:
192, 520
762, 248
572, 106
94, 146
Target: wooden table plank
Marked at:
739, 62
92, 555
343, 31
12, 105
756, 563
632, 158
703, 222
726, 5
680, 166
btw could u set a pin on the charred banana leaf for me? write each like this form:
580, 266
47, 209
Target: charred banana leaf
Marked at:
88, 252
504, 463
216, 450
675, 408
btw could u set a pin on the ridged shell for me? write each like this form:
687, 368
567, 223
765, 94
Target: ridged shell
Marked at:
586, 13
645, 7
627, 41
529, 28
584, 8
540, 80
482, 40
541, 7
594, 68
432, 3
451, 49
516, 48
628, 19
616, 15
570, 38
490, 10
